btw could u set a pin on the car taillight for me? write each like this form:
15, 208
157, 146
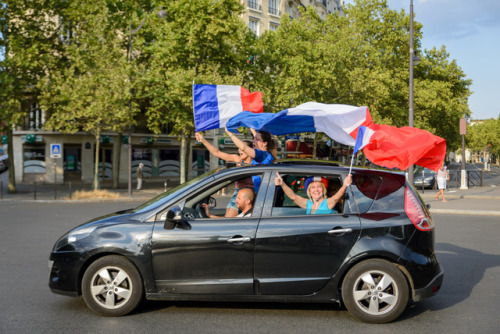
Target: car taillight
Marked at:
416, 213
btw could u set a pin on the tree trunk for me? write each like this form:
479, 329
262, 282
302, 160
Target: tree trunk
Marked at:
12, 171
315, 144
182, 162
117, 147
95, 185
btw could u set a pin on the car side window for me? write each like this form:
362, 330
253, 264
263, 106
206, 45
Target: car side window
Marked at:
219, 198
284, 206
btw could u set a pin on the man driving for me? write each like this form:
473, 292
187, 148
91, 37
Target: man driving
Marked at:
244, 203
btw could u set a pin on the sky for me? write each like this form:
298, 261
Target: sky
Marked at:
470, 31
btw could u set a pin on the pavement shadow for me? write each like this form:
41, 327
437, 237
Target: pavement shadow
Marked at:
463, 269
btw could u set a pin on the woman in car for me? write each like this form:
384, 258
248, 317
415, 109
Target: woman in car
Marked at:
241, 159
264, 150
317, 201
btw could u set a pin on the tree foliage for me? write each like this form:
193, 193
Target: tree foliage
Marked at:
484, 136
26, 49
90, 92
362, 59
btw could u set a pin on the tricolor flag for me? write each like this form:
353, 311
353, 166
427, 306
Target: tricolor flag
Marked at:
384, 145
362, 139
338, 121
214, 105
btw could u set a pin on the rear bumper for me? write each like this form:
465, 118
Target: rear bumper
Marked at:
430, 289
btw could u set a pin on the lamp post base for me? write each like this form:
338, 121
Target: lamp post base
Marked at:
463, 179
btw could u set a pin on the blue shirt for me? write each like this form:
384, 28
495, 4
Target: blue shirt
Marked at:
261, 157
322, 209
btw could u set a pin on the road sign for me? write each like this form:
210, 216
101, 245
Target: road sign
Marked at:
55, 151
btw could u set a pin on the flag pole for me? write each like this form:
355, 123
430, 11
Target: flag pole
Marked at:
352, 160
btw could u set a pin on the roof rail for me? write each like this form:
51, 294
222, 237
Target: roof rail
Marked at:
305, 162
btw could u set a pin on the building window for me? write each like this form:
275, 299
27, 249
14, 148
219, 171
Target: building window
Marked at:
273, 7
36, 117
273, 26
169, 163
253, 24
34, 159
254, 4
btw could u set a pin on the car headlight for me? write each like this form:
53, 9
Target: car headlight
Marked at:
80, 233
65, 243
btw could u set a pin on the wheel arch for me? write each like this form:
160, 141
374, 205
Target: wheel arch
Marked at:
366, 257
100, 255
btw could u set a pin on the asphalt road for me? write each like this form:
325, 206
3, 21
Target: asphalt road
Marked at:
467, 302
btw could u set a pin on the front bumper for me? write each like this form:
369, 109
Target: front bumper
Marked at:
65, 270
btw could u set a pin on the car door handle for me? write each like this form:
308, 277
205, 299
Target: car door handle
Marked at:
340, 231
239, 240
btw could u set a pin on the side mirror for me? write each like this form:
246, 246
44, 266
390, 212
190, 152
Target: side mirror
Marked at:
174, 216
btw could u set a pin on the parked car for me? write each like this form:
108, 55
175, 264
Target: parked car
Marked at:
375, 255
428, 178
4, 163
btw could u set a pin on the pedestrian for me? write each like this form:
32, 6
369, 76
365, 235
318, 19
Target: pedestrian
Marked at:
241, 159
139, 175
442, 178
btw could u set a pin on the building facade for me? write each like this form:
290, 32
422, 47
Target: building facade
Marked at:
262, 15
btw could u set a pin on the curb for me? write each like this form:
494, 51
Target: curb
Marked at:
465, 212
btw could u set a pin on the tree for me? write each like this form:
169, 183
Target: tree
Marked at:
202, 41
484, 136
361, 59
26, 48
89, 93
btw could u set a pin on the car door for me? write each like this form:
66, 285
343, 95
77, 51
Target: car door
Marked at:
297, 254
206, 255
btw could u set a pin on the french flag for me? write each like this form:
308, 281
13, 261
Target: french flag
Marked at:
384, 145
339, 121
214, 105
363, 138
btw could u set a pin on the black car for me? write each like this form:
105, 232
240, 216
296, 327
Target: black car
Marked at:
375, 255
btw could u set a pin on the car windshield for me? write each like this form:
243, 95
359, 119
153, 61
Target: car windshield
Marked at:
166, 196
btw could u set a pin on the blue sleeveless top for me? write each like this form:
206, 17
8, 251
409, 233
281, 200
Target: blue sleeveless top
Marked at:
322, 210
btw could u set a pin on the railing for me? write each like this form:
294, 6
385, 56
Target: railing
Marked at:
474, 178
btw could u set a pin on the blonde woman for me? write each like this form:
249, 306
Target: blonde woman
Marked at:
317, 201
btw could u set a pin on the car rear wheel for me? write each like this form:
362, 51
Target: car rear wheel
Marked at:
112, 286
375, 291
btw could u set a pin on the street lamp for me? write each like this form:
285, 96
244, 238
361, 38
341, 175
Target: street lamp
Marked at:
414, 60
160, 14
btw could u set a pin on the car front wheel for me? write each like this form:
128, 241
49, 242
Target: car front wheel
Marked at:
112, 286
375, 291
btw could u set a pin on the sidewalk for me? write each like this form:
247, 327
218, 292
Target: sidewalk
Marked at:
64, 192
473, 201
481, 201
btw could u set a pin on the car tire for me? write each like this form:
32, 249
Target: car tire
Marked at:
112, 286
375, 291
